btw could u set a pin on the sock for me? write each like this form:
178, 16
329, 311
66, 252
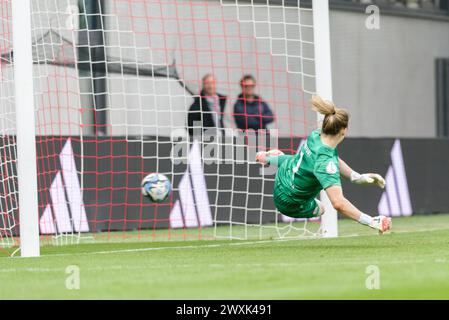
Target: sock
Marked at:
365, 219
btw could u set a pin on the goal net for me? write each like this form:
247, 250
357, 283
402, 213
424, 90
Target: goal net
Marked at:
114, 84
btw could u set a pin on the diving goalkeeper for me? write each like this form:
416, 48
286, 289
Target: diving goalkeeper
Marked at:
301, 177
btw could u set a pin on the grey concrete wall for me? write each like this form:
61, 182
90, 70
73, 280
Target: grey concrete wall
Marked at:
386, 77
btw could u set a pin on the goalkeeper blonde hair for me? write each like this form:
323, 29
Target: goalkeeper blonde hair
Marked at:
335, 118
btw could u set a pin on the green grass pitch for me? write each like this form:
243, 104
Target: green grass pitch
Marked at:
413, 263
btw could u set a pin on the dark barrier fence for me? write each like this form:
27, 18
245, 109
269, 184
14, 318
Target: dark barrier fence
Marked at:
426, 173
416, 171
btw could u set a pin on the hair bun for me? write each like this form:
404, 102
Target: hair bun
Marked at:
331, 125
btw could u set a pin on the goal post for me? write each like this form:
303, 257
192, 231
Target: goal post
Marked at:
25, 128
323, 74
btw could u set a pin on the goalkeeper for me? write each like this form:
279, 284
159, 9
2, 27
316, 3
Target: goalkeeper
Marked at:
301, 177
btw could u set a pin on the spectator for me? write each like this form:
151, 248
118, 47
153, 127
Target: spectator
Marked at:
207, 109
250, 111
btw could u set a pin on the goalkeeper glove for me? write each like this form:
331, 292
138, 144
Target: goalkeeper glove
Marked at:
367, 178
381, 223
261, 156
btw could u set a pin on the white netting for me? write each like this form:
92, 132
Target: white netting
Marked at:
114, 81
8, 182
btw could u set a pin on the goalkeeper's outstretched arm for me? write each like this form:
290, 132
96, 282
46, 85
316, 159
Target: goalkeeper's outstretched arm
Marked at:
273, 156
345, 169
344, 206
362, 179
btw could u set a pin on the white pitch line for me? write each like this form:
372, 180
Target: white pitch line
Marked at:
167, 248
243, 243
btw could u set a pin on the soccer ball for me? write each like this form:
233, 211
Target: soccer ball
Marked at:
156, 187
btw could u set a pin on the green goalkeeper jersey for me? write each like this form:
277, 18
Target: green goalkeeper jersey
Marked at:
301, 177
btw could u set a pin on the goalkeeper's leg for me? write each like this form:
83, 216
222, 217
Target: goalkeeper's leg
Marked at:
312, 208
321, 206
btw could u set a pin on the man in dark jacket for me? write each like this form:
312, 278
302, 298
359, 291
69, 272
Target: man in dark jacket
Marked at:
250, 111
207, 109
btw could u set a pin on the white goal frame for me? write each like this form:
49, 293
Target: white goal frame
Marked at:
25, 117
25, 128
323, 81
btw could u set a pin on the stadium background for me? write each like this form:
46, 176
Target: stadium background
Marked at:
390, 71
389, 79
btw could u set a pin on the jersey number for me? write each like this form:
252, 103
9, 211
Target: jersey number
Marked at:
296, 168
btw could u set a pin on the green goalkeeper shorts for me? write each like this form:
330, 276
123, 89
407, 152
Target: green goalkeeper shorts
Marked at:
297, 209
